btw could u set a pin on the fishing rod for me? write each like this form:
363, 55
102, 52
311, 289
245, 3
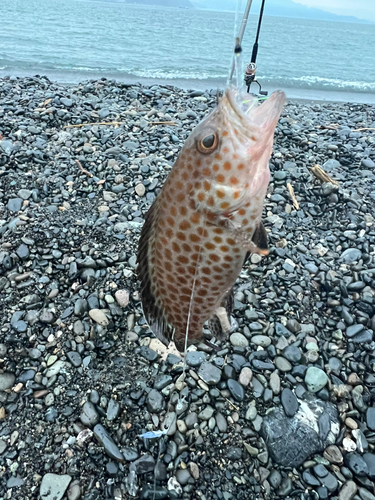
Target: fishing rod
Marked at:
252, 67
250, 72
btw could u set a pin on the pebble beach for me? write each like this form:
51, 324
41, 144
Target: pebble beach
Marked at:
92, 406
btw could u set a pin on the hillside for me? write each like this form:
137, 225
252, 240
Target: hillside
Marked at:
282, 8
185, 4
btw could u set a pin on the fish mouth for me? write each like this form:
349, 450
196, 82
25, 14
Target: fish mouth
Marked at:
255, 115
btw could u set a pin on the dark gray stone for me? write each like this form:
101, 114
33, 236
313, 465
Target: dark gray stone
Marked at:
284, 435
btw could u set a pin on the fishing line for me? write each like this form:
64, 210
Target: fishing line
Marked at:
192, 293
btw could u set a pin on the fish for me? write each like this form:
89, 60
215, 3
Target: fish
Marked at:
206, 219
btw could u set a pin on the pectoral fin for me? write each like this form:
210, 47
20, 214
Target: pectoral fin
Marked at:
260, 240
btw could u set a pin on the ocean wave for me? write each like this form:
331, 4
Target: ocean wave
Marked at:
171, 74
318, 82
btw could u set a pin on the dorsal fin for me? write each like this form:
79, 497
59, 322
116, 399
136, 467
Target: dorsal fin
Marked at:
154, 314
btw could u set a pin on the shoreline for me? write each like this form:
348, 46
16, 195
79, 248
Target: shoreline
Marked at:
293, 94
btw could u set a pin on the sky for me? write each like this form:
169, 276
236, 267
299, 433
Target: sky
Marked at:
364, 9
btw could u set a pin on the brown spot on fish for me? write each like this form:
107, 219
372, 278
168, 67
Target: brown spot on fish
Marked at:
209, 245
207, 185
227, 166
218, 157
210, 201
214, 257
182, 259
206, 171
201, 196
240, 166
224, 248
233, 180
180, 197
225, 133
220, 178
194, 238
217, 239
181, 236
224, 205
220, 193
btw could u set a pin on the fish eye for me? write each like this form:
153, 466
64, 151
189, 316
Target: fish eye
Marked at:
208, 144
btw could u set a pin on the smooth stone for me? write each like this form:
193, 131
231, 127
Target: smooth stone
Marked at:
155, 401
122, 297
53, 486
282, 364
14, 204
289, 402
370, 418
7, 380
209, 373
238, 340
365, 494
99, 317
353, 330
206, 414
75, 358
113, 409
143, 464
348, 491
315, 379
195, 358
369, 459
183, 476
356, 464
89, 416
261, 340
221, 422
236, 389
245, 376
110, 447
350, 255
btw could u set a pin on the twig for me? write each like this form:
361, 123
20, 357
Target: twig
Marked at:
114, 123
84, 171
293, 196
322, 175
230, 402
361, 129
162, 123
91, 124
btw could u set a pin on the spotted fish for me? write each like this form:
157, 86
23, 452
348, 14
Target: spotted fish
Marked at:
207, 218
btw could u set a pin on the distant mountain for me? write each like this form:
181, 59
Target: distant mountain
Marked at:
283, 8
185, 4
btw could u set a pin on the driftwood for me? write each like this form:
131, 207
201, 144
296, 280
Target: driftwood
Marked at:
83, 170
114, 123
362, 129
322, 175
293, 196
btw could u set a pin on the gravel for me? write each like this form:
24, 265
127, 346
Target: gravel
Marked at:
92, 406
